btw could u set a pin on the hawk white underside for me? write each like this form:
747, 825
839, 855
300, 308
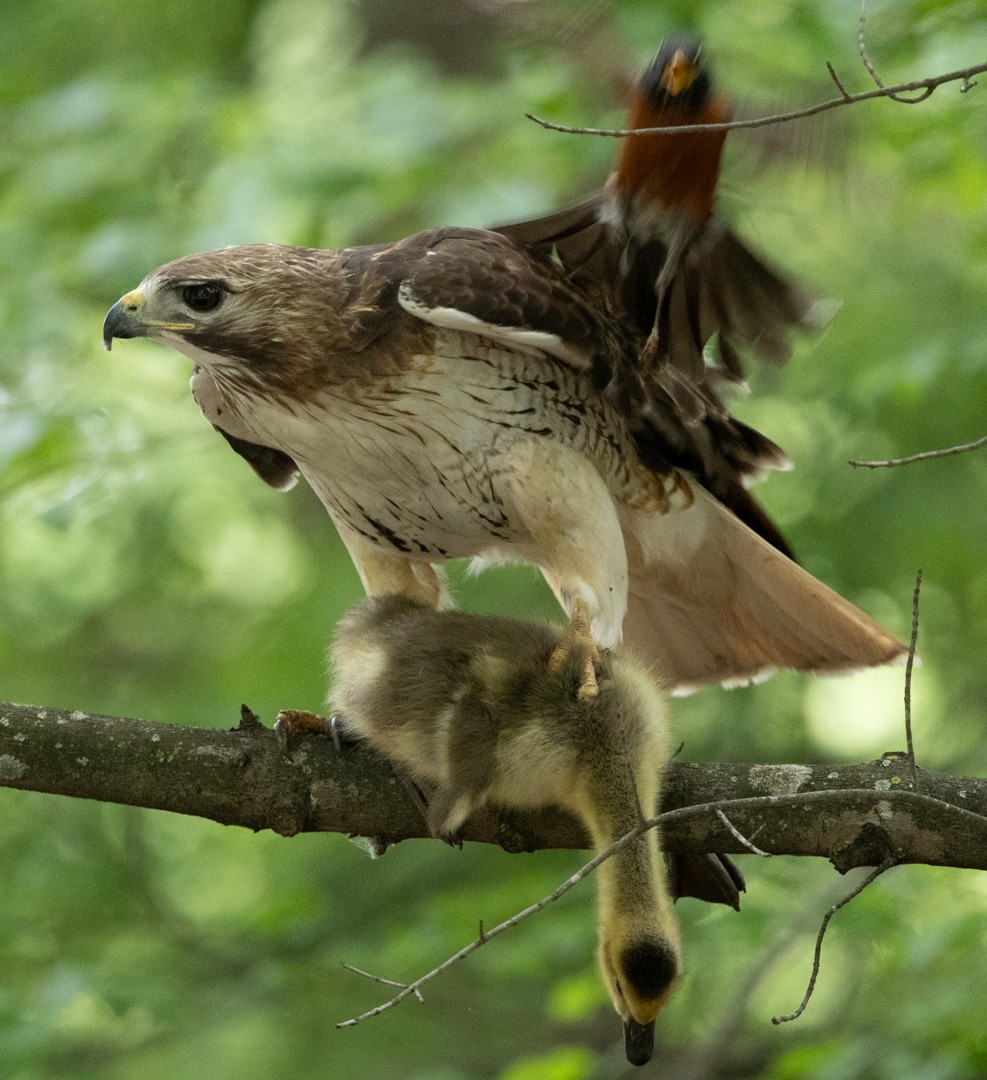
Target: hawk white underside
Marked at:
433, 467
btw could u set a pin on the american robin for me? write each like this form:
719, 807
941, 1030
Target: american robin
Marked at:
680, 273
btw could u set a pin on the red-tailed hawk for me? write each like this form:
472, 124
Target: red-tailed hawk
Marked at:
447, 396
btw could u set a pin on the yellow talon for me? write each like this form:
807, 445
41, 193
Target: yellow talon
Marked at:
577, 642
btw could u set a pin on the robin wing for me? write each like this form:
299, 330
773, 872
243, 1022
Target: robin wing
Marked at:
720, 289
580, 241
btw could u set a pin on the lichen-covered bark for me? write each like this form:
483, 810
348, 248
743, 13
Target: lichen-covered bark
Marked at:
241, 777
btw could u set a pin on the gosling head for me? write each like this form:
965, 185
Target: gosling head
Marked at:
640, 975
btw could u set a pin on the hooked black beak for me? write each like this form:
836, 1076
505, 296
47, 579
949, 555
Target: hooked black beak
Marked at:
639, 1041
121, 321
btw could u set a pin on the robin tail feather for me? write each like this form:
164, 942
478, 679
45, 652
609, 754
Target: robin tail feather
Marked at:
756, 308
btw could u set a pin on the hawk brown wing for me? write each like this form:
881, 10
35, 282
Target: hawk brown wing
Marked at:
479, 281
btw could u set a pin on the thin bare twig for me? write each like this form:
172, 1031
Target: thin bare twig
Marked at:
739, 836
870, 67
908, 678
836, 79
709, 1056
488, 935
852, 895
926, 85
862, 48
924, 456
757, 802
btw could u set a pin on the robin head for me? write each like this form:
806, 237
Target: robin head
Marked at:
677, 77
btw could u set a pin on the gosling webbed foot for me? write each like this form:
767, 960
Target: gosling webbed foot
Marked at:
515, 837
714, 878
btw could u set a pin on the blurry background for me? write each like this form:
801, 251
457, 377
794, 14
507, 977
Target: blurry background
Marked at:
145, 571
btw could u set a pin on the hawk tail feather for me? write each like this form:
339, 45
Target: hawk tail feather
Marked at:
712, 602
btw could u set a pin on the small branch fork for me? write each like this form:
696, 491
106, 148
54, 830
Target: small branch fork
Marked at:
865, 59
487, 935
739, 836
720, 808
384, 982
925, 87
894, 94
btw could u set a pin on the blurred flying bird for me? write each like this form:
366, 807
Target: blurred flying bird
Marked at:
678, 272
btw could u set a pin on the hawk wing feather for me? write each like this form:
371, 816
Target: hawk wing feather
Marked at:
273, 466
476, 280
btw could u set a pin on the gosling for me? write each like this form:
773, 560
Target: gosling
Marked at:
471, 709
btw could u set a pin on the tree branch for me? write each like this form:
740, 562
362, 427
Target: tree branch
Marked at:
924, 86
866, 880
241, 777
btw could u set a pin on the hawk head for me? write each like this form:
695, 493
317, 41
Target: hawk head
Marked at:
261, 315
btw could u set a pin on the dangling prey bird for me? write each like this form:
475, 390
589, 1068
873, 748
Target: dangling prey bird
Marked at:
446, 396
467, 706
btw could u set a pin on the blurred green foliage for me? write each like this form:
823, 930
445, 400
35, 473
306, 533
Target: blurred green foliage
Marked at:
144, 571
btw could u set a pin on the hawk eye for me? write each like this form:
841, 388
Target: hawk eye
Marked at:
203, 297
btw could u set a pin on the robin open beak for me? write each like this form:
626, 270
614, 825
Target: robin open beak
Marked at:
679, 74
